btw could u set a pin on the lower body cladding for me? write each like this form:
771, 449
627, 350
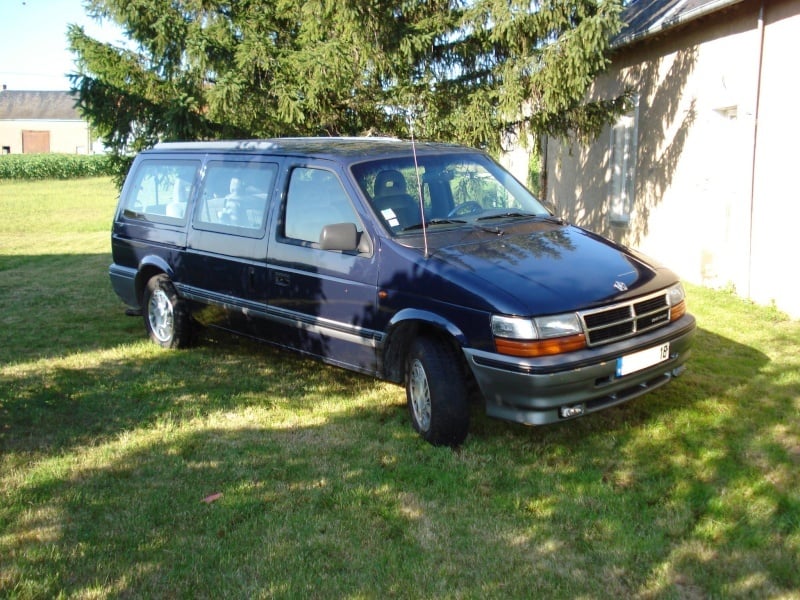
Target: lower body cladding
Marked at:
546, 390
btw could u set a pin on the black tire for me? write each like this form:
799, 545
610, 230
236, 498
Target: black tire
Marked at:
166, 317
436, 392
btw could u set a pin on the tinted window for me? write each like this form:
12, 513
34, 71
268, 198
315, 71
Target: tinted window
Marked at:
234, 196
161, 190
315, 198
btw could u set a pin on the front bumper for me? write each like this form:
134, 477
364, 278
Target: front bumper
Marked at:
554, 388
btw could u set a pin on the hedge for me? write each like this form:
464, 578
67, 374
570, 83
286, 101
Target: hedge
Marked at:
56, 166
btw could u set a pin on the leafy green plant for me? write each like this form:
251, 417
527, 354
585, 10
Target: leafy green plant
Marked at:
55, 166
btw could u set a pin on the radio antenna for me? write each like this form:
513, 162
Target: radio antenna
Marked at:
419, 185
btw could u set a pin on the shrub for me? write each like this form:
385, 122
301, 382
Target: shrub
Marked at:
55, 166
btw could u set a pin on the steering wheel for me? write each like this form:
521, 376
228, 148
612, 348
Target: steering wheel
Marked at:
470, 207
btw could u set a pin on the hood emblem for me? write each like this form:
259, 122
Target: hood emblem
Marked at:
620, 286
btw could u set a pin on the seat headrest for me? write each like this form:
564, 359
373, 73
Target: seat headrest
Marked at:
389, 183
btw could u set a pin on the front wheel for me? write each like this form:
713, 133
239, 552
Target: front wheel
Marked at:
166, 317
436, 392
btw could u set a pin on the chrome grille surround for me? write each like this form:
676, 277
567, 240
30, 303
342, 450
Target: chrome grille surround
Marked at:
626, 319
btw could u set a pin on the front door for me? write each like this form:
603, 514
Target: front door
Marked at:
322, 300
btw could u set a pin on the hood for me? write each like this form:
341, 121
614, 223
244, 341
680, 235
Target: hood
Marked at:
548, 268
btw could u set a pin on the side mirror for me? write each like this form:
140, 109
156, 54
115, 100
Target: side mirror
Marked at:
339, 236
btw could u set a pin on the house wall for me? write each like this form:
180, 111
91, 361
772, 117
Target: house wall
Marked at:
70, 137
776, 200
712, 195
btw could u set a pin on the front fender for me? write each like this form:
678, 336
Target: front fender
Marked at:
428, 319
403, 328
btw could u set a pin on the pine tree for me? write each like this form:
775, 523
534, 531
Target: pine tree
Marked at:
458, 70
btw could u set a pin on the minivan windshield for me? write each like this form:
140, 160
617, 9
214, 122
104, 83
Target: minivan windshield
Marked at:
456, 189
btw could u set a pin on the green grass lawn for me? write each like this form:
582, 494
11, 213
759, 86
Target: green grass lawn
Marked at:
110, 445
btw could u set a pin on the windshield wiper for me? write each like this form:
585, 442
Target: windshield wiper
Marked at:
507, 215
434, 222
517, 215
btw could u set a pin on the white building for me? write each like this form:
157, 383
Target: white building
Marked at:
34, 122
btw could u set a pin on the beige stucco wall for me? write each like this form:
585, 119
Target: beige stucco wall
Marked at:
697, 134
776, 203
70, 137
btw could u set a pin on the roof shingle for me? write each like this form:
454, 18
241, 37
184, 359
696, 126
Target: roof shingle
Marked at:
48, 105
644, 18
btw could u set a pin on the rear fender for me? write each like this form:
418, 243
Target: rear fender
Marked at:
150, 266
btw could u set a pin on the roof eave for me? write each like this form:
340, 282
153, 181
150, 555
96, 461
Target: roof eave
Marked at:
674, 20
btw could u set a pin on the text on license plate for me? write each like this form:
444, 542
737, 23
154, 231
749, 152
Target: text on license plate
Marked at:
630, 363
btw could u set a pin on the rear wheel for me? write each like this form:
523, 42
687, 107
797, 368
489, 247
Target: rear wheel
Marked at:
166, 317
436, 392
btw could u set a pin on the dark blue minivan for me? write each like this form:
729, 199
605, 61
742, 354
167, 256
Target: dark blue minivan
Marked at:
423, 264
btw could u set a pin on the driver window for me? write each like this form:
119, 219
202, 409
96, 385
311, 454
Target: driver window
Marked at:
315, 198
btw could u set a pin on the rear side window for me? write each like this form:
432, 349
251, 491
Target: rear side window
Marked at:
234, 195
161, 191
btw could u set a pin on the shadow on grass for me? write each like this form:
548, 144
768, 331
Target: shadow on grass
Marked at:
653, 498
58, 304
52, 407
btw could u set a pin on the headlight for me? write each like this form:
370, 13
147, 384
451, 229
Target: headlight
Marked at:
676, 298
513, 328
540, 336
558, 325
676, 295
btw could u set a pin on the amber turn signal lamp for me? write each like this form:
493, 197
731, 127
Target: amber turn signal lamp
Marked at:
677, 311
533, 348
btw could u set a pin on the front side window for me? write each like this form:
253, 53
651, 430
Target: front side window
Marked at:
315, 198
161, 190
448, 190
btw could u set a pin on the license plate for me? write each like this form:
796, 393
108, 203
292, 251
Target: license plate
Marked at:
630, 363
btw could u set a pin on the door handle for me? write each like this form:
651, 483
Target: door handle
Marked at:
282, 279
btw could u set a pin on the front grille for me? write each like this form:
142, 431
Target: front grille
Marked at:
624, 320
